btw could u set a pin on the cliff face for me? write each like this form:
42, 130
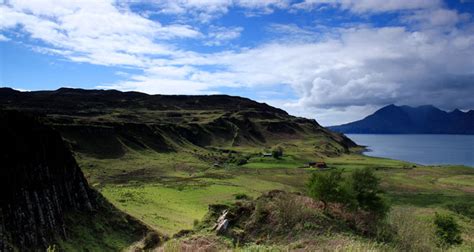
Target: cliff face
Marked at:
40, 181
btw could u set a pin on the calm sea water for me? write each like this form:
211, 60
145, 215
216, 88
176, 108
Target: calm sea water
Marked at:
421, 149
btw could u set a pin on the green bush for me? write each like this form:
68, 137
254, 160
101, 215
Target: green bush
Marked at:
241, 161
241, 196
365, 189
327, 187
238, 160
463, 208
447, 230
277, 152
361, 190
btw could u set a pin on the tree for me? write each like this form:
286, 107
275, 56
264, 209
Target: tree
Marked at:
360, 190
447, 230
365, 189
326, 187
277, 152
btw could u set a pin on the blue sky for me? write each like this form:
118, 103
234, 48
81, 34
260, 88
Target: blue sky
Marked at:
333, 60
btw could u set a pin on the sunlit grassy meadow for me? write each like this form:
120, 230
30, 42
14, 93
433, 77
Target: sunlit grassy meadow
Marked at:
172, 191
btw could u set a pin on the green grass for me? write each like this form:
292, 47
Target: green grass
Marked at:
156, 174
104, 230
169, 191
460, 180
273, 163
170, 209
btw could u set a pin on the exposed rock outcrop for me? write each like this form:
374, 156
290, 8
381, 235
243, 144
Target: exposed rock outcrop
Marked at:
40, 181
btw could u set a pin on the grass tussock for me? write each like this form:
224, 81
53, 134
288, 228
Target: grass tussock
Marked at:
410, 232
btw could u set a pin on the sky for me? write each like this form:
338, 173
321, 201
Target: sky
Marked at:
333, 60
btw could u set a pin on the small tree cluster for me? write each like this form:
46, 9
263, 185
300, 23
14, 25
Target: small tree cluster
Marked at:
360, 190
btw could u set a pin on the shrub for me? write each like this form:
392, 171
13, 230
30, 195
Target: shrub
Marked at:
463, 208
277, 152
290, 213
365, 189
241, 196
411, 233
151, 240
238, 160
260, 212
361, 190
447, 230
326, 187
241, 161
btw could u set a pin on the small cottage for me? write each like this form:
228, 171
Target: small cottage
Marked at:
267, 154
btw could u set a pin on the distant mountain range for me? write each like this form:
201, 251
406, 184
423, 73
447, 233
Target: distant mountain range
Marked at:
426, 119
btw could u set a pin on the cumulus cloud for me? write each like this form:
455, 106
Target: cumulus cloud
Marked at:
437, 18
362, 67
374, 6
292, 32
369, 66
207, 10
337, 74
219, 35
3, 38
94, 32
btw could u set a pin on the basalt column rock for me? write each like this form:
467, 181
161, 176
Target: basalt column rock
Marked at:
40, 181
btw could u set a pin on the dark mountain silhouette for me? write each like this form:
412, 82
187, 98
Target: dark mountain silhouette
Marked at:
426, 119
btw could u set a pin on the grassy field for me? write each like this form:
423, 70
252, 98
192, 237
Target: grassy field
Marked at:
172, 191
145, 154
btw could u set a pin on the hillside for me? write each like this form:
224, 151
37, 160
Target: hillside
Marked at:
210, 145
427, 119
107, 123
45, 199
169, 161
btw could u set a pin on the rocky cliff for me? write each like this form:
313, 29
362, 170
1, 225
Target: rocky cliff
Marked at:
40, 181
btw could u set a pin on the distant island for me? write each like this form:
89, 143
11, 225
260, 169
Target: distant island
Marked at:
426, 119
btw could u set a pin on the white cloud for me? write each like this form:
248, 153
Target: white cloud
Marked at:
364, 6
96, 32
155, 85
259, 7
3, 38
356, 67
207, 10
203, 10
221, 35
292, 32
362, 69
338, 74
437, 18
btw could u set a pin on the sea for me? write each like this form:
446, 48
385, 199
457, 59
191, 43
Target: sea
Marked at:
420, 149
